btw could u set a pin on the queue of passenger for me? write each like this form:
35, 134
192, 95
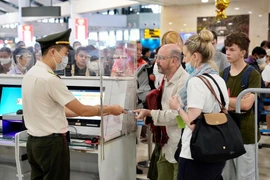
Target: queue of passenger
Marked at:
184, 94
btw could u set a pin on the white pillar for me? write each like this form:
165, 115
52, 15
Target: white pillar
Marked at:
21, 3
71, 23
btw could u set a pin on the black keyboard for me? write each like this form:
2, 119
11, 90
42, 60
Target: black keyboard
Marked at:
82, 136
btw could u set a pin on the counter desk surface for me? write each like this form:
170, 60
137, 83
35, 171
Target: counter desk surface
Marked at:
116, 162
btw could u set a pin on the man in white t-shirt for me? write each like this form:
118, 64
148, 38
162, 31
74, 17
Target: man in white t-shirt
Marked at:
266, 79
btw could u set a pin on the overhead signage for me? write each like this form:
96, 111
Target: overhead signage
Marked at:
151, 33
81, 28
27, 33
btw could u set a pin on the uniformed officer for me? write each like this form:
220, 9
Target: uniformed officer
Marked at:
46, 103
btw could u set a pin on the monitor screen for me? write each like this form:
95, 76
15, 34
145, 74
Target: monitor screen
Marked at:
87, 95
11, 99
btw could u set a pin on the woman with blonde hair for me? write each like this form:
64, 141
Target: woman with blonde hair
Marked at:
196, 99
172, 37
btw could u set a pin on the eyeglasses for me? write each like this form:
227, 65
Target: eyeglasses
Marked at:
25, 56
84, 56
160, 57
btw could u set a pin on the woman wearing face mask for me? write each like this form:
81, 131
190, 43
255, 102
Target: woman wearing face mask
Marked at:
5, 60
197, 98
23, 59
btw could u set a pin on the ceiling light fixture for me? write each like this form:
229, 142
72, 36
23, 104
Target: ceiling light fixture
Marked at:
249, 12
260, 15
204, 19
204, 1
184, 24
237, 8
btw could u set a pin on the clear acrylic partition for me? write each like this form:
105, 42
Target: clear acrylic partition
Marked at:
115, 65
111, 65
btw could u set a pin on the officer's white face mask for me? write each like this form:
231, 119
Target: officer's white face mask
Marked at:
63, 63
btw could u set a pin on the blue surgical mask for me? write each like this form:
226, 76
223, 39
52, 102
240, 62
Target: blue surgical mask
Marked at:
189, 68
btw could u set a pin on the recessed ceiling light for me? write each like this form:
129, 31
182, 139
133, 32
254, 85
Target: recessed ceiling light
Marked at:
237, 8
204, 19
170, 23
249, 12
218, 21
204, 1
230, 24
260, 15
184, 24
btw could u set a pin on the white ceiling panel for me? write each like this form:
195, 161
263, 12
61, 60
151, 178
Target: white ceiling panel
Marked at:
176, 2
7, 7
10, 5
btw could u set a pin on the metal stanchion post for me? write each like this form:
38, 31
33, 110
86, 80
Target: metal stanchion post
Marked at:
238, 110
146, 164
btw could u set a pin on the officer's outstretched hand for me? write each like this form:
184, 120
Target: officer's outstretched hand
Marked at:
116, 110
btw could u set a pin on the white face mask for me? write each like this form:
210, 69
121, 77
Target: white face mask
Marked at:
5, 60
63, 63
262, 60
93, 66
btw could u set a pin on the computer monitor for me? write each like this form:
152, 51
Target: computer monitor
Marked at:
11, 99
86, 96
10, 102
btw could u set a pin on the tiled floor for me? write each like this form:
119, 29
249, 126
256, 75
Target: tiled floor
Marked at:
264, 159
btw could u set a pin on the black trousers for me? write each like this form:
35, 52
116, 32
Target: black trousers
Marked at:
194, 170
49, 157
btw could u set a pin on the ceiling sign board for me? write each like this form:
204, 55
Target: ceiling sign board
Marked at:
28, 34
81, 28
151, 33
41, 11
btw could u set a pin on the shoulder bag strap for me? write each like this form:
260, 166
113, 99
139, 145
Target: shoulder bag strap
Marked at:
210, 87
220, 92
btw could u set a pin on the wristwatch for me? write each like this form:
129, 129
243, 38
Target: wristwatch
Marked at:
178, 109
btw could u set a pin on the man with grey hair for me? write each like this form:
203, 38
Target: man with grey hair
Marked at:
169, 63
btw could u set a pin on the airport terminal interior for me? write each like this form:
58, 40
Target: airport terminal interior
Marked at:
112, 43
